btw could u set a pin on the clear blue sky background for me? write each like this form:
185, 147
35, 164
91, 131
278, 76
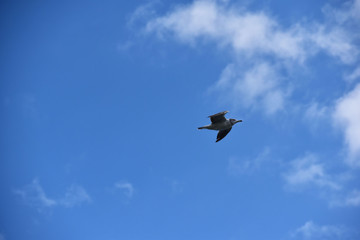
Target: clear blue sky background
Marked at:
101, 100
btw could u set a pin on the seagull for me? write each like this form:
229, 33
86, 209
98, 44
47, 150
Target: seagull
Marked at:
220, 123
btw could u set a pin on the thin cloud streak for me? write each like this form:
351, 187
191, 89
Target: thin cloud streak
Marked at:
310, 231
34, 195
351, 199
75, 196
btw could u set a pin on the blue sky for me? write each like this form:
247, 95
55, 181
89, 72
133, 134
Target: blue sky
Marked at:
101, 100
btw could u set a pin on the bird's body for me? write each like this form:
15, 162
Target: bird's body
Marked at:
220, 123
217, 126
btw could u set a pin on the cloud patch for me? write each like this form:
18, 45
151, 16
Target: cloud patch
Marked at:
255, 33
2, 237
256, 37
126, 188
351, 199
34, 195
248, 33
306, 172
237, 167
353, 75
347, 116
257, 87
75, 196
312, 231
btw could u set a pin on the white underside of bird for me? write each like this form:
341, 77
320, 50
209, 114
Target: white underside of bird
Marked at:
221, 124
218, 126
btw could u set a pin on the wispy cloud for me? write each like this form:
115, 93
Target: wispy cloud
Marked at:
351, 199
176, 186
347, 14
249, 166
355, 74
34, 195
307, 172
2, 237
316, 112
336, 42
144, 11
312, 231
347, 116
74, 196
256, 88
317, 115
126, 188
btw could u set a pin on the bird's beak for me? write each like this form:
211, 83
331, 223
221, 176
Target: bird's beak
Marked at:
238, 121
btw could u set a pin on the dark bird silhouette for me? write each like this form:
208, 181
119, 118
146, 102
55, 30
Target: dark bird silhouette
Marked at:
220, 123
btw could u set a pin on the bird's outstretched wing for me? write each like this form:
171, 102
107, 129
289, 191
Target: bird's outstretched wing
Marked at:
222, 134
219, 117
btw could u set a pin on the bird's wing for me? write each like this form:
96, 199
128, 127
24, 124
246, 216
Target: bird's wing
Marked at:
219, 117
222, 134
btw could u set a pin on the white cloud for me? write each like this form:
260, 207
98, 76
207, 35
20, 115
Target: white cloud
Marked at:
336, 42
258, 87
307, 172
347, 116
34, 195
141, 12
354, 75
351, 199
349, 13
315, 111
74, 196
253, 37
126, 188
245, 32
312, 231
253, 33
316, 116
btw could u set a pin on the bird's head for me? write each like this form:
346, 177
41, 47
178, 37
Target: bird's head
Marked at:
234, 121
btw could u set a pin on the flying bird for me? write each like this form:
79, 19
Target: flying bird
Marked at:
220, 123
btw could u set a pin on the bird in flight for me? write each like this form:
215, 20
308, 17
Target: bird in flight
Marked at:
220, 123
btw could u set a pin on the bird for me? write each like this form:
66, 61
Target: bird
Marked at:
221, 124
